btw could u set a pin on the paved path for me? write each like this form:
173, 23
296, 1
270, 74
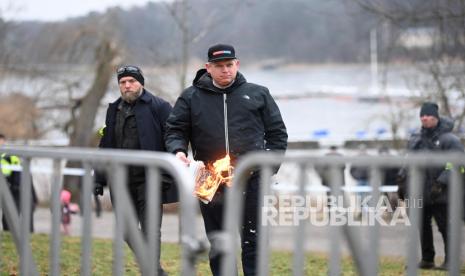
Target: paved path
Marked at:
393, 240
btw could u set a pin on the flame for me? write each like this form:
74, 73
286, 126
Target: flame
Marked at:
212, 176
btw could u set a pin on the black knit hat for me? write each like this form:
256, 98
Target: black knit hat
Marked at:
221, 52
130, 71
429, 109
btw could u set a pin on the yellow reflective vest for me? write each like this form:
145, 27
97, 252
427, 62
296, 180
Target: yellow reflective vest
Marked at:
6, 161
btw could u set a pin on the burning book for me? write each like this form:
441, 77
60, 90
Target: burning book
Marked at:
209, 178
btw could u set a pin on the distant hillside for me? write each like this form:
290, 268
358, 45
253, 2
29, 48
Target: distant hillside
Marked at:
287, 31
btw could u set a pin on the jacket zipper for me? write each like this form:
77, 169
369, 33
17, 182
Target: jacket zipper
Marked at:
226, 133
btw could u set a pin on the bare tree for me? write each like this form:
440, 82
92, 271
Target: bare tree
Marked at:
83, 122
85, 109
19, 113
434, 40
191, 32
95, 43
5, 26
70, 92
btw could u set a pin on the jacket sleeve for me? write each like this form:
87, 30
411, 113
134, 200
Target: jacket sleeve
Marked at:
163, 112
178, 127
100, 176
451, 143
275, 129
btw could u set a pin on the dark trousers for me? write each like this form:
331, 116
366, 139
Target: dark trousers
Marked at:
439, 213
137, 193
212, 214
98, 206
16, 198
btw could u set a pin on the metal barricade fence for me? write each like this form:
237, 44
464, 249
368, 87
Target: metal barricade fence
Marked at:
364, 250
115, 163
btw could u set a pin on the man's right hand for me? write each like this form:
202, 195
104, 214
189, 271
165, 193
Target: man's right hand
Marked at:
98, 189
182, 156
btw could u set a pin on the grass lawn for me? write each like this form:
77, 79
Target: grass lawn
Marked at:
281, 262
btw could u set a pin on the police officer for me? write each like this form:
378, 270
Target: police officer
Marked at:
13, 178
435, 136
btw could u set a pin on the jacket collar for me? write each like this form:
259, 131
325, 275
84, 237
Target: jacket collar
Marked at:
145, 97
203, 80
444, 125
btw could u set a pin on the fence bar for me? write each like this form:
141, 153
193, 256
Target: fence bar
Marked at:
191, 246
55, 239
25, 218
2, 191
336, 183
86, 248
263, 230
233, 218
118, 181
373, 230
455, 221
415, 188
153, 218
299, 241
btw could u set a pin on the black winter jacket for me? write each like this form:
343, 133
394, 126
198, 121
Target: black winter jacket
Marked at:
151, 113
438, 139
253, 120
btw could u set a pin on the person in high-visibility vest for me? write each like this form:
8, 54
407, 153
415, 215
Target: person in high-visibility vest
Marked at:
13, 178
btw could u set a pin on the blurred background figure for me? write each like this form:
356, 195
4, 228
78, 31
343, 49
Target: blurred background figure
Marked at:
361, 175
325, 171
67, 209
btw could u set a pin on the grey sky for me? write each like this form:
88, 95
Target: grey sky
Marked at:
53, 10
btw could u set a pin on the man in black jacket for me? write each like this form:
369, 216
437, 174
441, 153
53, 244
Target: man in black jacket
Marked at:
136, 121
222, 114
435, 136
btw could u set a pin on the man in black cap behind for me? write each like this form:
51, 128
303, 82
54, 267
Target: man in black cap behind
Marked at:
136, 121
222, 113
435, 136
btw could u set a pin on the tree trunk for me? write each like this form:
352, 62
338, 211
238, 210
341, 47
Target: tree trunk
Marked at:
83, 124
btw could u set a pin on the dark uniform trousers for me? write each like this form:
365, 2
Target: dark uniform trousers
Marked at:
439, 213
137, 193
212, 214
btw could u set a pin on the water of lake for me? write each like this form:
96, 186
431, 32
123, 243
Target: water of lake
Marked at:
333, 103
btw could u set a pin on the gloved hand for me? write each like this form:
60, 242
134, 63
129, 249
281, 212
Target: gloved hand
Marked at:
436, 191
98, 189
